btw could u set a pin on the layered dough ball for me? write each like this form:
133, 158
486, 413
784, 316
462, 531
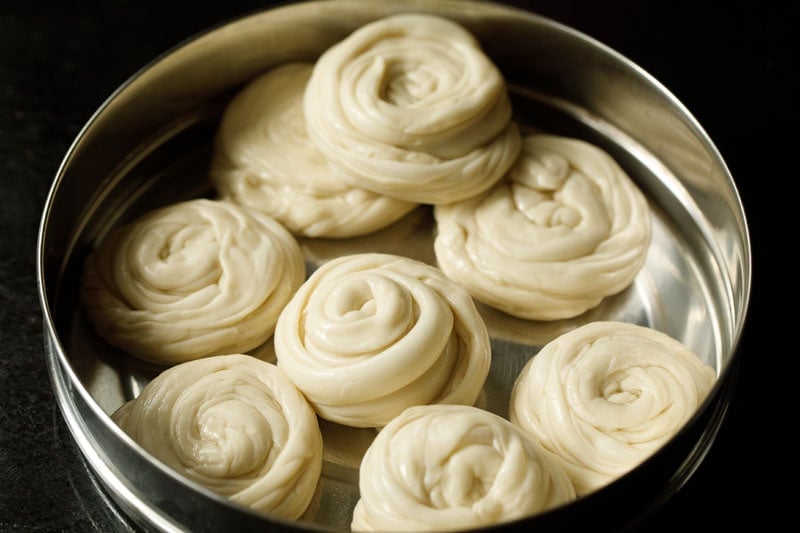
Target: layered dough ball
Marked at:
454, 467
264, 159
565, 229
190, 280
607, 395
369, 335
411, 107
233, 424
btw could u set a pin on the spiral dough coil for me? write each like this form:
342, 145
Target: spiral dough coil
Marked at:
453, 467
368, 335
565, 229
411, 107
607, 395
264, 159
234, 424
191, 279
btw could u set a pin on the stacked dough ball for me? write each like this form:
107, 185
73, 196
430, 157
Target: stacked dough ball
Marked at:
411, 107
406, 110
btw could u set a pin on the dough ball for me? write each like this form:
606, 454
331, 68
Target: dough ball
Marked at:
190, 280
235, 425
411, 107
604, 397
369, 335
565, 229
454, 467
264, 159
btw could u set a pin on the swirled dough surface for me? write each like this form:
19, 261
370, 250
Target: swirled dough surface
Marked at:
607, 395
234, 424
410, 106
368, 335
191, 279
565, 229
264, 159
454, 467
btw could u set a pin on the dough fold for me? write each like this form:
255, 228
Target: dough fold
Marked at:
191, 279
368, 335
454, 467
604, 397
410, 106
233, 424
264, 159
565, 229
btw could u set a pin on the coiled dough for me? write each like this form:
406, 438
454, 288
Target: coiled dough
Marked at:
607, 395
368, 335
565, 229
410, 106
191, 279
235, 425
264, 159
454, 467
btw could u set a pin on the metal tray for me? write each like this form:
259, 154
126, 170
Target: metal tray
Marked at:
150, 145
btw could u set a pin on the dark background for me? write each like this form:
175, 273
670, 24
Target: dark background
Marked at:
733, 65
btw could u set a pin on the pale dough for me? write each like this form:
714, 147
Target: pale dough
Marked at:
191, 279
410, 106
264, 159
454, 467
565, 229
607, 395
233, 424
368, 335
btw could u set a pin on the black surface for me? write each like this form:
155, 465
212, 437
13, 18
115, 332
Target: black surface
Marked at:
734, 67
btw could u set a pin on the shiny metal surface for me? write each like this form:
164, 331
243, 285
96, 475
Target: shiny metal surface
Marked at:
149, 145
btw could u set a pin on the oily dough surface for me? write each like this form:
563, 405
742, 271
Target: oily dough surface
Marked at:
234, 424
264, 159
368, 335
454, 467
192, 279
411, 107
604, 397
566, 228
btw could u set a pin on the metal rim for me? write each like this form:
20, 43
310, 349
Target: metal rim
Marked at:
65, 381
